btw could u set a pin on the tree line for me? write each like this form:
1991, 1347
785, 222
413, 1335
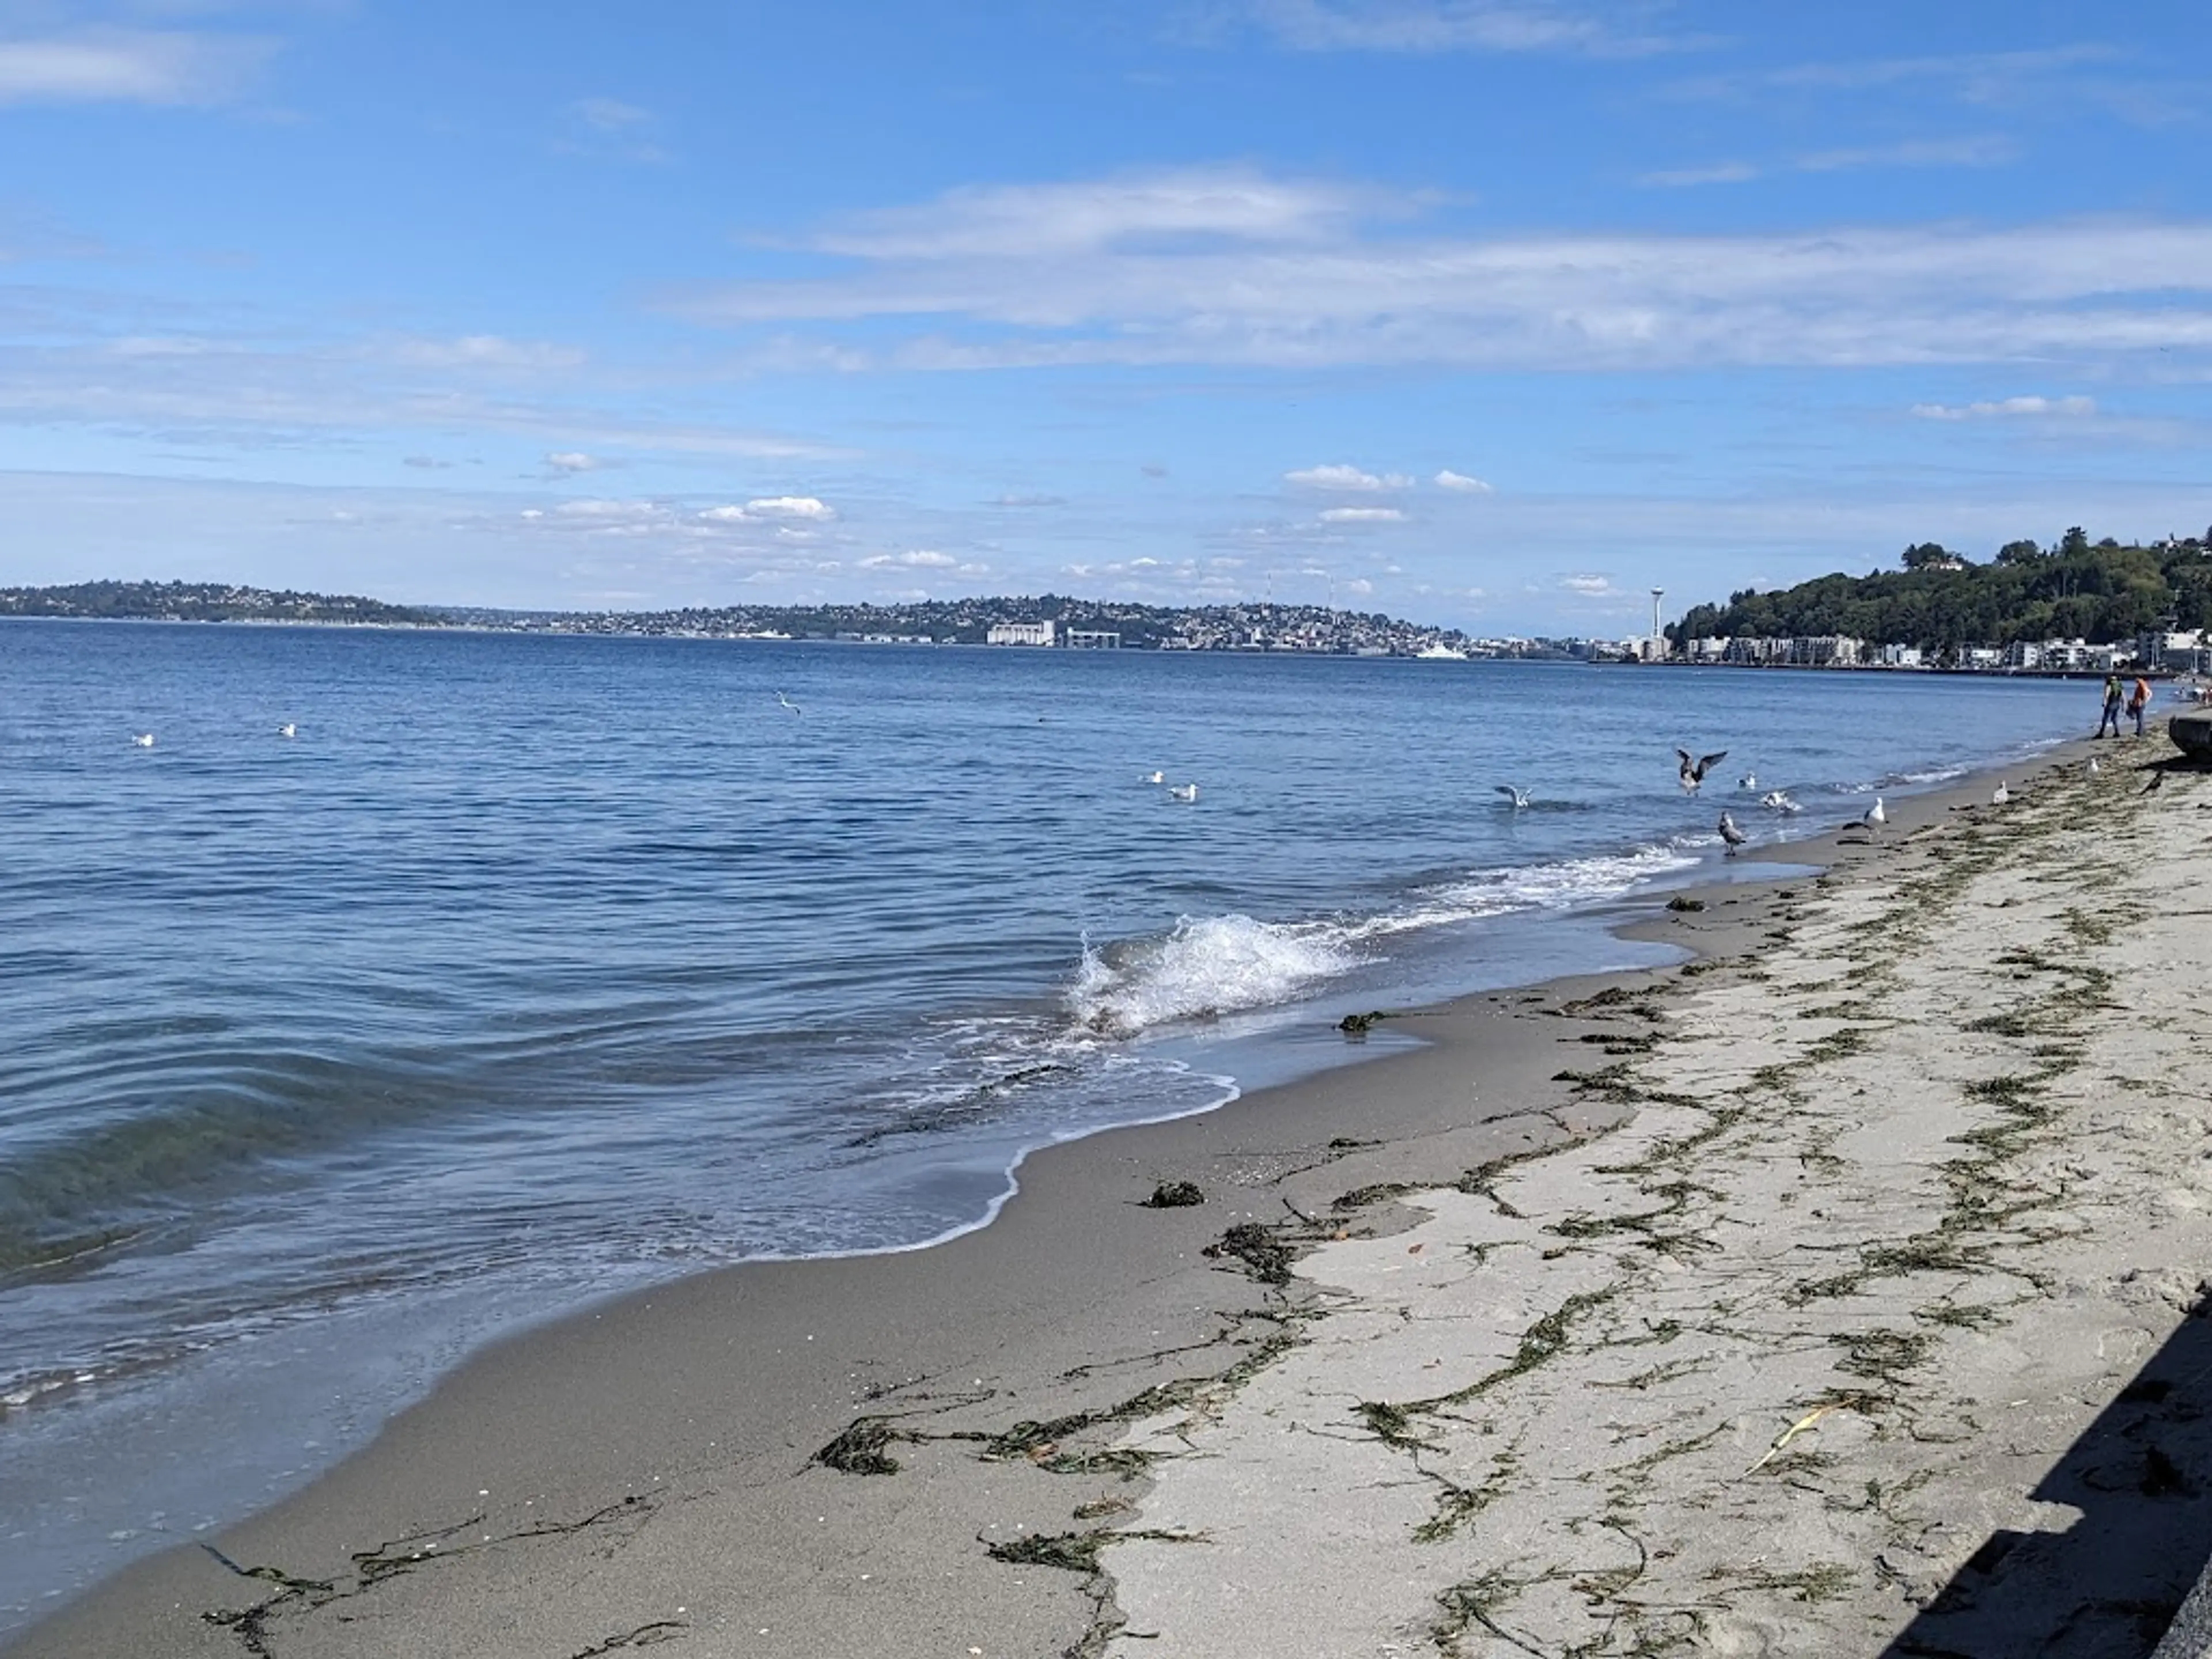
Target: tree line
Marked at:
1943, 601
202, 601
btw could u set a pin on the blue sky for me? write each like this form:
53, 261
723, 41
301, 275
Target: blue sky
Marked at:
1490, 315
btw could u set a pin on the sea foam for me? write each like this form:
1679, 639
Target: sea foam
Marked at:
1205, 966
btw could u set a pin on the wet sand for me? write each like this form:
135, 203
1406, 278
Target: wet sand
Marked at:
1741, 1307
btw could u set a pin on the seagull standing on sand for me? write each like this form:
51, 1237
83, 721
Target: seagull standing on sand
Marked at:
1734, 836
786, 703
1874, 818
1518, 797
2003, 793
2093, 767
1694, 771
1184, 791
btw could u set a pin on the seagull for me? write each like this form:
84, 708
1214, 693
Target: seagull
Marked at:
1184, 791
1874, 818
1518, 797
1778, 801
2093, 767
2003, 794
1748, 780
1155, 777
287, 730
1734, 836
144, 740
787, 703
1694, 772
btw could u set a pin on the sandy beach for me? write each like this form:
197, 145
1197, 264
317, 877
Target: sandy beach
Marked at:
1835, 1292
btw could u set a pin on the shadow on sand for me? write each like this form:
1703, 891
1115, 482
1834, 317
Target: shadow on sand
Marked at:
2109, 1586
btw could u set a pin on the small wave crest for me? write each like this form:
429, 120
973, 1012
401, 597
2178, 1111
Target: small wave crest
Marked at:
1204, 966
1556, 886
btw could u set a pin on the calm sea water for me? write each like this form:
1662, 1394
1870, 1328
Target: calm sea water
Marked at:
533, 968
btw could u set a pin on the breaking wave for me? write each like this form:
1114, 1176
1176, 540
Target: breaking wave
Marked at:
1210, 966
1207, 966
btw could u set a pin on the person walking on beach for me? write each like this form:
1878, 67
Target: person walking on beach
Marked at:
2139, 702
2112, 714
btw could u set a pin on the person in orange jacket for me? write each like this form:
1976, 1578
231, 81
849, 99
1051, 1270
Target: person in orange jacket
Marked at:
2138, 702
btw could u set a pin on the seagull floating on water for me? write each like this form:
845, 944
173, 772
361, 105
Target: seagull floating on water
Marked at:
1184, 791
786, 703
144, 740
1778, 801
287, 730
1155, 777
1518, 797
2002, 794
1694, 772
1748, 780
1729, 833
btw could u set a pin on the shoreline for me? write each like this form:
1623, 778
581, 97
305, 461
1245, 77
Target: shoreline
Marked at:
1057, 1246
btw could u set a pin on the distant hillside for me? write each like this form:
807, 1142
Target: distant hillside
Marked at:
203, 602
1269, 627
1943, 601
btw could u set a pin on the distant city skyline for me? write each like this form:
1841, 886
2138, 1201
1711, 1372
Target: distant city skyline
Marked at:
1500, 314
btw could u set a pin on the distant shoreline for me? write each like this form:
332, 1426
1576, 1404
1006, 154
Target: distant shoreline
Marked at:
2159, 675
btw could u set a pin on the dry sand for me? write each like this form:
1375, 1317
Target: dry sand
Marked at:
1810, 1355
1830, 1295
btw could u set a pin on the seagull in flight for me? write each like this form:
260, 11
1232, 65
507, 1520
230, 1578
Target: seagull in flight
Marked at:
1184, 791
144, 740
1694, 771
786, 703
1730, 834
1518, 797
1778, 801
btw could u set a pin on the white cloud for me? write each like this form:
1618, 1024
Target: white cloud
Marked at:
1460, 481
485, 351
2004, 407
609, 114
1347, 294
602, 510
790, 507
1362, 516
1592, 587
1986, 150
1721, 172
120, 65
1337, 475
1436, 26
1030, 221
922, 559
1976, 77
569, 462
